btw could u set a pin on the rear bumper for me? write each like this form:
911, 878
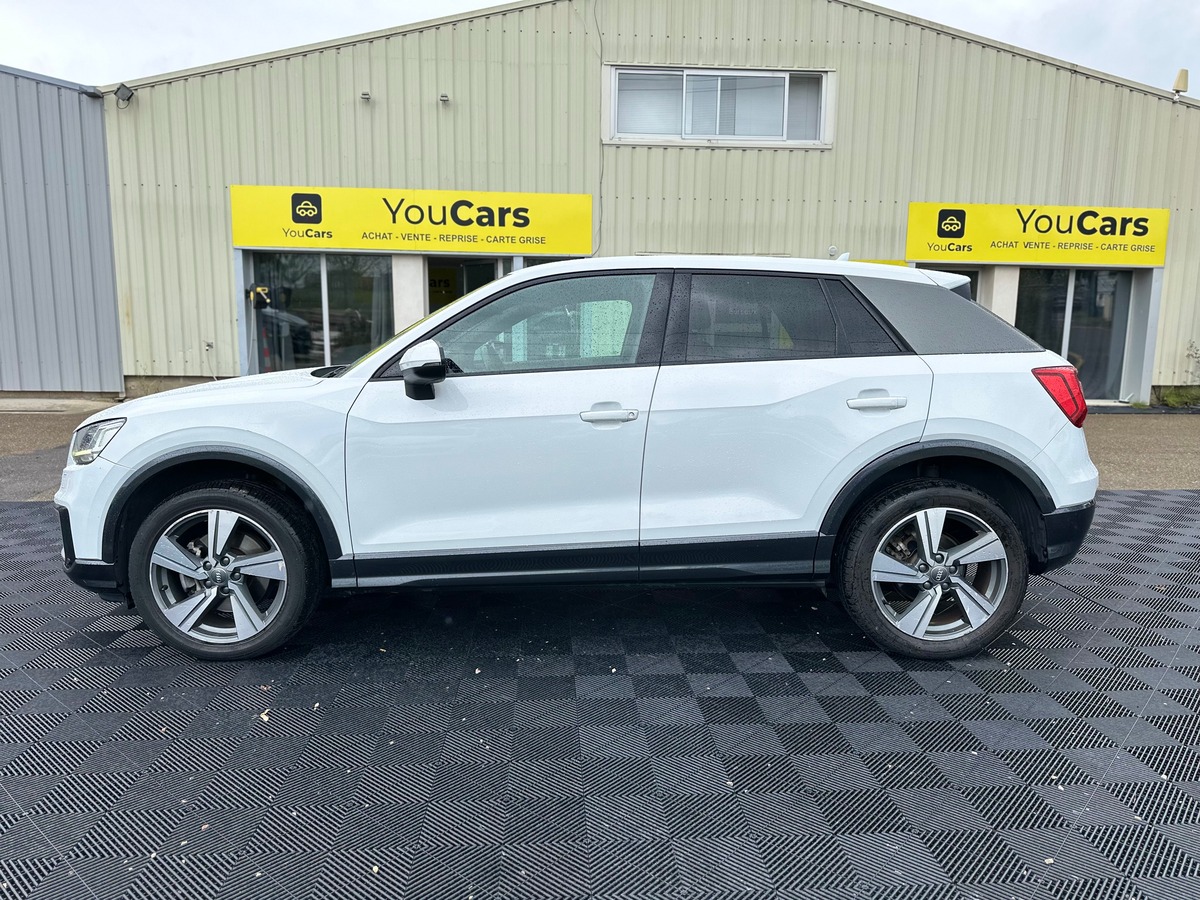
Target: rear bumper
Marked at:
94, 575
1065, 531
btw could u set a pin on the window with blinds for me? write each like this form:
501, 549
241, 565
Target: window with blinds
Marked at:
706, 104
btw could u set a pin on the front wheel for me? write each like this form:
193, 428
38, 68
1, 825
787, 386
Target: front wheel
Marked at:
933, 569
224, 571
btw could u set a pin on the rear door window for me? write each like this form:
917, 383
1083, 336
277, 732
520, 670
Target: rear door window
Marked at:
737, 317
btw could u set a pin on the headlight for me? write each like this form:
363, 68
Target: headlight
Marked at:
90, 441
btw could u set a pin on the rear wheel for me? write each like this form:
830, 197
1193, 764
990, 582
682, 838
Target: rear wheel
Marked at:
224, 571
933, 569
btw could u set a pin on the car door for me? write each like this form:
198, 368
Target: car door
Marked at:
775, 389
528, 457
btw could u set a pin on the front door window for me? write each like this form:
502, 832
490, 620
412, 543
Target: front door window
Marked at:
568, 323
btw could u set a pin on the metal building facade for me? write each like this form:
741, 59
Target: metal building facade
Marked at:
58, 304
920, 112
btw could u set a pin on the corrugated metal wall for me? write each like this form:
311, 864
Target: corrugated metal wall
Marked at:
58, 308
920, 114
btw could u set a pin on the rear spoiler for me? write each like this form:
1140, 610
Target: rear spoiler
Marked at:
951, 281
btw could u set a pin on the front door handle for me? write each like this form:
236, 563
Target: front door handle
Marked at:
609, 415
877, 403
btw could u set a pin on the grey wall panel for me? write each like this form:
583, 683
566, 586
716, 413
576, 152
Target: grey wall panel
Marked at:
58, 301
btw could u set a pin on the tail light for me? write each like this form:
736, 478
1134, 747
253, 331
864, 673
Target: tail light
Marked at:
1062, 383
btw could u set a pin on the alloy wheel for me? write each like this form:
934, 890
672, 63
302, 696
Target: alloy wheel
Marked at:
939, 574
218, 576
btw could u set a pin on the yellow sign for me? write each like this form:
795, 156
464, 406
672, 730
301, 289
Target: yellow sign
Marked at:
390, 219
1033, 234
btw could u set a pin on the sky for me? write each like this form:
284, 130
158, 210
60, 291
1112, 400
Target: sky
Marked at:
98, 43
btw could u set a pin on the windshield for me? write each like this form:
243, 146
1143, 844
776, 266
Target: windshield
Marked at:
398, 338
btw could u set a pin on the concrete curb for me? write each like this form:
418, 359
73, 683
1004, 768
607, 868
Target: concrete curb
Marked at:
45, 405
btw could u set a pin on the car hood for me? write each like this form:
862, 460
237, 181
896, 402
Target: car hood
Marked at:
213, 393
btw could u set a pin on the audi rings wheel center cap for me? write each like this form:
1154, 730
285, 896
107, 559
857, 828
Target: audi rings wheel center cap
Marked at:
938, 575
219, 577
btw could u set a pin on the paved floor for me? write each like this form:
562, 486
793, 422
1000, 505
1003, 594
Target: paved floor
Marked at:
612, 743
33, 451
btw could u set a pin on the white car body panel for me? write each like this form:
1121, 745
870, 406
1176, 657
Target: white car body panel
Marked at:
520, 467
994, 399
760, 448
1065, 467
87, 492
289, 417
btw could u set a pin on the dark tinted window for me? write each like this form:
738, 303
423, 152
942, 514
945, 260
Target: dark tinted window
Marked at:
861, 333
743, 317
934, 320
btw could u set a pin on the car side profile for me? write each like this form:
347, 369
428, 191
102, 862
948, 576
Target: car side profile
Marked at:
648, 419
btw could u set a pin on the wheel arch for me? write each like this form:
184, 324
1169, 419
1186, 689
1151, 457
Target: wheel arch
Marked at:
999, 474
172, 473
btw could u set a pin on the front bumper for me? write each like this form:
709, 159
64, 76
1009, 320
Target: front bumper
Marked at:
1065, 530
94, 575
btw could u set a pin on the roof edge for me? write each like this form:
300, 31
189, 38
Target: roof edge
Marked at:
349, 40
863, 5
951, 31
46, 79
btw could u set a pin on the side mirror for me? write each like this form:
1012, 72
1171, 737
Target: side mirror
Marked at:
422, 366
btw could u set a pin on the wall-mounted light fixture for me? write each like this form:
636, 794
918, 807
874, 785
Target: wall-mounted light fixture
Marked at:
444, 98
123, 93
1181, 83
365, 96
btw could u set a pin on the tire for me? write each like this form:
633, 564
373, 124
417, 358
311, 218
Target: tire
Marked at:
245, 601
955, 606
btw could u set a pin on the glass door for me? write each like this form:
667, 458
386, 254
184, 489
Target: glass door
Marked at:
1082, 314
289, 324
451, 278
1097, 328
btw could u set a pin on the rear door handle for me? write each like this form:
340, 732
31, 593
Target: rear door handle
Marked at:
609, 415
877, 403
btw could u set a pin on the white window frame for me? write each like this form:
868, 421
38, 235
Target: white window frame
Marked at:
824, 115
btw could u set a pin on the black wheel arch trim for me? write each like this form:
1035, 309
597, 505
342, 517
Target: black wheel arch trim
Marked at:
853, 490
328, 533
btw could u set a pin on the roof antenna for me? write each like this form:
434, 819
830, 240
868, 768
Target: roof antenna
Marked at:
1181, 84
845, 257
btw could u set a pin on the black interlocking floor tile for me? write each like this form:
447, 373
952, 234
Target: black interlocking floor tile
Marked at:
611, 742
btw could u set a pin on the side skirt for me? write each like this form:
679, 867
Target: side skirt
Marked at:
784, 559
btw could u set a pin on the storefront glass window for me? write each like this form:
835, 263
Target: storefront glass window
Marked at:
289, 330
1099, 323
360, 305
1091, 308
1042, 305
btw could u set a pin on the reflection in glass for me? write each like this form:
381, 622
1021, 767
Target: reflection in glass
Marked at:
453, 277
1099, 323
289, 332
1042, 305
565, 324
360, 305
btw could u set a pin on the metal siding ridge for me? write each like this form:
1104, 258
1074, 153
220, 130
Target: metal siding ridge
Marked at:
10, 199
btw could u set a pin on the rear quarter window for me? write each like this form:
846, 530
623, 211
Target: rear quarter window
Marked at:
932, 319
